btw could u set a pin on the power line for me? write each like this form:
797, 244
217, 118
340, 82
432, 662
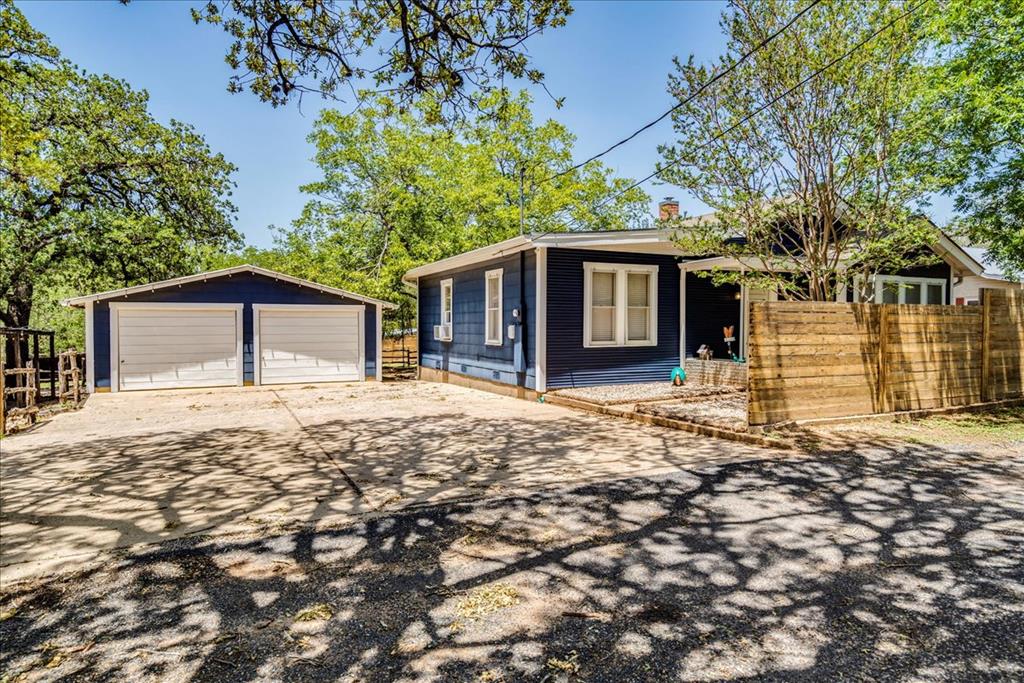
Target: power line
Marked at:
768, 104
704, 86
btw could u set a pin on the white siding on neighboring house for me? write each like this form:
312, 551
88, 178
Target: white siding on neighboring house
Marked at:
969, 291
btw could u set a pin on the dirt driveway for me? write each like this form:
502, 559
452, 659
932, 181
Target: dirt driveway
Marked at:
890, 555
145, 467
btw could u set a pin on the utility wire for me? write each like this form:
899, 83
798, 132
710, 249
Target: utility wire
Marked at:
752, 115
704, 86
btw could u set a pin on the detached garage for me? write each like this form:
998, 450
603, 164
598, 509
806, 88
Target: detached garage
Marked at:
237, 326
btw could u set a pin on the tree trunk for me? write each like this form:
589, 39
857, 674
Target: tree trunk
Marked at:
19, 305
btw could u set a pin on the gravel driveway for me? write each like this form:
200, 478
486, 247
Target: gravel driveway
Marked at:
898, 560
137, 468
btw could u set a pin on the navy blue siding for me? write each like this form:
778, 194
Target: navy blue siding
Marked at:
467, 353
244, 288
709, 308
569, 364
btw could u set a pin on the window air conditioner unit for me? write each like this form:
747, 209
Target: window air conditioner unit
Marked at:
442, 332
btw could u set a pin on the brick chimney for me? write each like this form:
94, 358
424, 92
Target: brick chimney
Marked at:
668, 208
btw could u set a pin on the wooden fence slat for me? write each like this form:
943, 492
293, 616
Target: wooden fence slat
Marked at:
829, 360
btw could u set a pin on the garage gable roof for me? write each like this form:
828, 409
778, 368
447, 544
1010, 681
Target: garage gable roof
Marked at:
223, 272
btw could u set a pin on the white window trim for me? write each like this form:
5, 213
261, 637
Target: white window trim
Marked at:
621, 303
448, 283
882, 280
498, 274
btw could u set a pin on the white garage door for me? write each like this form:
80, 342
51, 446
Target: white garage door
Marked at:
172, 346
309, 343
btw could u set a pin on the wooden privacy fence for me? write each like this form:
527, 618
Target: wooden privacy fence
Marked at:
811, 360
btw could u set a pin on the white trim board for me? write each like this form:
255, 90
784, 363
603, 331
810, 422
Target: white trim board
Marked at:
541, 339
90, 348
115, 351
682, 316
380, 344
224, 272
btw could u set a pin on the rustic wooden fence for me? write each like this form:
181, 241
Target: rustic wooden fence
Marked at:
834, 360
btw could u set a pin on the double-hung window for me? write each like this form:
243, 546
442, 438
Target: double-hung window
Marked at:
620, 305
900, 289
444, 330
492, 307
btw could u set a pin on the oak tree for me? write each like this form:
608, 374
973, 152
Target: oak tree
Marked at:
450, 50
90, 183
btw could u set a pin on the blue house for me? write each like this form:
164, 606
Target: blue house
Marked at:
537, 313
237, 326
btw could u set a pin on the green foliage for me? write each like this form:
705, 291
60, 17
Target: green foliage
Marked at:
810, 185
972, 113
397, 192
447, 50
90, 183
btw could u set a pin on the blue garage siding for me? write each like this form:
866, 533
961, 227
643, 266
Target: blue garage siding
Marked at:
569, 364
467, 353
709, 308
244, 288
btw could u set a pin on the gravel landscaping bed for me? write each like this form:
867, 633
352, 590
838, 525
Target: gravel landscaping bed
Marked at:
613, 394
728, 411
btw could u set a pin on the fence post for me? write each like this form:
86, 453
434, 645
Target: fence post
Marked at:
39, 366
76, 378
31, 389
986, 345
3, 390
884, 404
53, 360
62, 383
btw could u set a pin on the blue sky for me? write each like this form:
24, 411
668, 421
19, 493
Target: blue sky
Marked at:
610, 63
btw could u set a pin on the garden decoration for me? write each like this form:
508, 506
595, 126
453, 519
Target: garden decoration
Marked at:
678, 376
729, 339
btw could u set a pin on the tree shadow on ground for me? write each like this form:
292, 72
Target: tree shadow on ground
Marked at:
65, 501
897, 561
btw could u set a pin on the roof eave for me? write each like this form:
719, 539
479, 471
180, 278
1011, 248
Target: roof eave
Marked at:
469, 258
81, 301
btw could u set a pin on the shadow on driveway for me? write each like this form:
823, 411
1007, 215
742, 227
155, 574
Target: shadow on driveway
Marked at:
244, 462
901, 563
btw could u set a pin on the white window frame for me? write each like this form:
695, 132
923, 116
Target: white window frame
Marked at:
494, 339
622, 271
882, 280
449, 284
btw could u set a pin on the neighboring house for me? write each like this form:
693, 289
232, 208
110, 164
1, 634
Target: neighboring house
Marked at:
587, 308
236, 326
968, 292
